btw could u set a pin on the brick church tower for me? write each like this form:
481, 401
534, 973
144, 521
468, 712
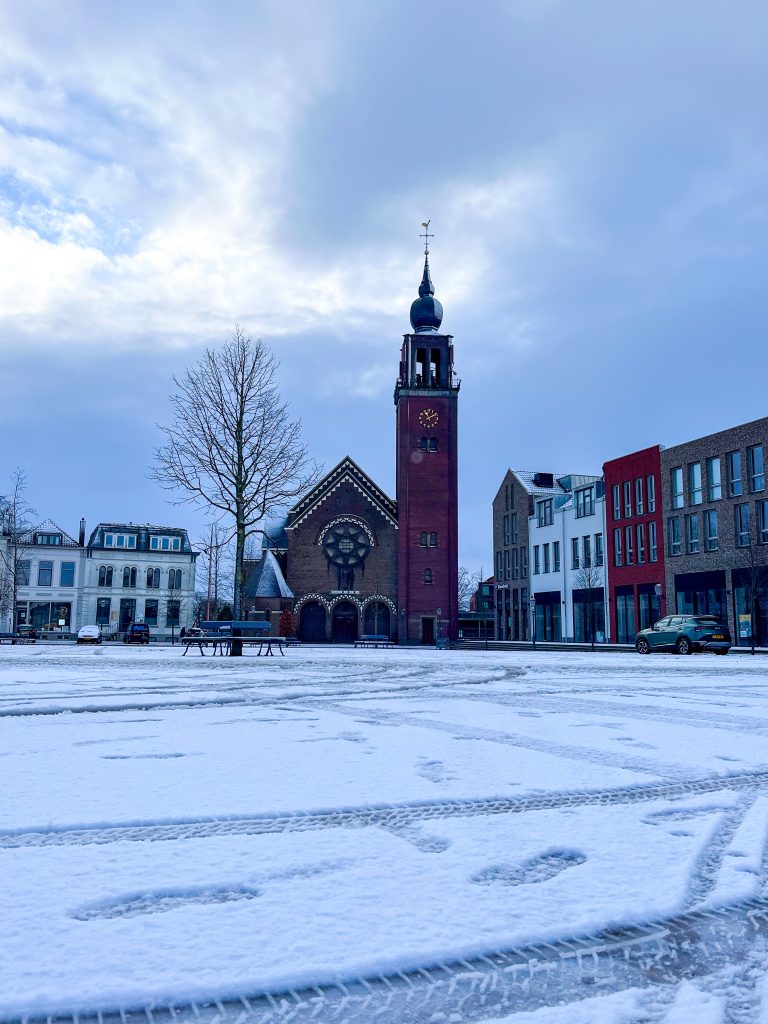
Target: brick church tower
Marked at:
426, 402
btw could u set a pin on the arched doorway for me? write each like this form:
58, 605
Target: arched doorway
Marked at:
312, 623
344, 627
376, 620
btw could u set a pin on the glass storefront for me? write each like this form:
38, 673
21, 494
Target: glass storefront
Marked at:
589, 615
649, 605
548, 616
701, 593
625, 615
750, 621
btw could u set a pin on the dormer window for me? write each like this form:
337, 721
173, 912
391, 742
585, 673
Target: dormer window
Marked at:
119, 540
50, 539
165, 544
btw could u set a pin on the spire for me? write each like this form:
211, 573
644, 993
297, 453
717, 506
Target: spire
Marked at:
426, 311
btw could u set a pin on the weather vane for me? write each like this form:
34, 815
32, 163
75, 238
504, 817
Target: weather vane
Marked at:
426, 236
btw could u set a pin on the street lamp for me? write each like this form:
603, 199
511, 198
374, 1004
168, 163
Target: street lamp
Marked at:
532, 603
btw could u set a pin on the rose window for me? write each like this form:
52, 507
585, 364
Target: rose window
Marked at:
346, 545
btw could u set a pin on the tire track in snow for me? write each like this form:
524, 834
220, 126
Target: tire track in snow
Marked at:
389, 816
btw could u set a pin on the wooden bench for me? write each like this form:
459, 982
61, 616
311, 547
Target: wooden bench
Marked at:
373, 641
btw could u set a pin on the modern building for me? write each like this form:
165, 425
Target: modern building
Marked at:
138, 573
634, 531
566, 536
350, 560
477, 622
716, 528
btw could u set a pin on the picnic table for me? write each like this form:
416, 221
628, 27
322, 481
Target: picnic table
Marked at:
373, 640
220, 644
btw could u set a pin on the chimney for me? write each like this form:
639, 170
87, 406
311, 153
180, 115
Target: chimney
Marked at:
81, 539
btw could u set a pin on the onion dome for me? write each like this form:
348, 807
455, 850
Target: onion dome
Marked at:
426, 311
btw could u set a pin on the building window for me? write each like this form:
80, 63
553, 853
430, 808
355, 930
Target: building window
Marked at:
150, 612
22, 573
627, 498
523, 563
617, 547
129, 576
586, 551
616, 501
536, 562
165, 544
755, 468
105, 575
507, 539
762, 522
513, 528
714, 479
67, 574
650, 486
515, 566
676, 480
174, 578
103, 605
628, 546
506, 497
599, 557
424, 538
674, 536
639, 495
432, 445
45, 574
711, 539
556, 556
423, 447
733, 467
741, 516
49, 539
585, 502
153, 579
695, 495
574, 552
499, 557
172, 611
544, 512
653, 546
692, 533
545, 551
506, 565
427, 576
640, 543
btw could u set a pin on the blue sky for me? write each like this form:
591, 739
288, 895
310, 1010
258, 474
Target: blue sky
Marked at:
595, 174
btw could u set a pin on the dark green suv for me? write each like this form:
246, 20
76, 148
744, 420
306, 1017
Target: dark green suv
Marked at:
685, 634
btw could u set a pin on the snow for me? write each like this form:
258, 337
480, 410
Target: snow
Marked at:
177, 828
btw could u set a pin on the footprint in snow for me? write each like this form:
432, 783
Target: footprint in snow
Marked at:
537, 869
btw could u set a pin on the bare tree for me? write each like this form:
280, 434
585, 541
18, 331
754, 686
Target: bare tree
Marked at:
15, 524
589, 578
232, 445
211, 566
468, 583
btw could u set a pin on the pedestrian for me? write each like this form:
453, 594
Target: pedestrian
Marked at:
183, 632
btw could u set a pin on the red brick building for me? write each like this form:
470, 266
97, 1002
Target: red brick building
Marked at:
635, 542
351, 561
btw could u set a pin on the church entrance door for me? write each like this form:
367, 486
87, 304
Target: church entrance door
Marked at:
376, 619
344, 623
312, 623
428, 630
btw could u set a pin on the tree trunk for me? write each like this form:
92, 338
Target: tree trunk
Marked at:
236, 648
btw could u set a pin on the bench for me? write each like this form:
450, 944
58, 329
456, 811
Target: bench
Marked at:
371, 640
16, 638
222, 644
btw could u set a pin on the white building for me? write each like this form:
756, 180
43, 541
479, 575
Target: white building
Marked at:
139, 573
50, 574
566, 540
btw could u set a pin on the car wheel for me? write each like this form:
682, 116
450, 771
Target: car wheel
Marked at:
683, 645
642, 646
721, 652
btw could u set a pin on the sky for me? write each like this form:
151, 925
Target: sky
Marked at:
595, 175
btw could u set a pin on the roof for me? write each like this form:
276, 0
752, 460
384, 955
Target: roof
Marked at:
347, 471
48, 526
526, 478
265, 578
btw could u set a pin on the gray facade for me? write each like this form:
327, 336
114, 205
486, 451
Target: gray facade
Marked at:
715, 506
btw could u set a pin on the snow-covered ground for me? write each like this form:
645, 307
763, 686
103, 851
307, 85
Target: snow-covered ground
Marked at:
384, 835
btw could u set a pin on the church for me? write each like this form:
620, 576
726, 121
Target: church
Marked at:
349, 561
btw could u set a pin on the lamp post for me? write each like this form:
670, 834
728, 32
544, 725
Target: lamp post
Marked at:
532, 603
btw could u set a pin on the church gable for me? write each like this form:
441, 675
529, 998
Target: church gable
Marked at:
347, 474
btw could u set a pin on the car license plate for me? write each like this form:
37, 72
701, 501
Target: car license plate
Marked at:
718, 636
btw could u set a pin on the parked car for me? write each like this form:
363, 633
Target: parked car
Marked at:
89, 635
137, 633
685, 634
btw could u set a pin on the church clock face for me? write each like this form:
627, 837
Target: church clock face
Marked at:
428, 418
346, 545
